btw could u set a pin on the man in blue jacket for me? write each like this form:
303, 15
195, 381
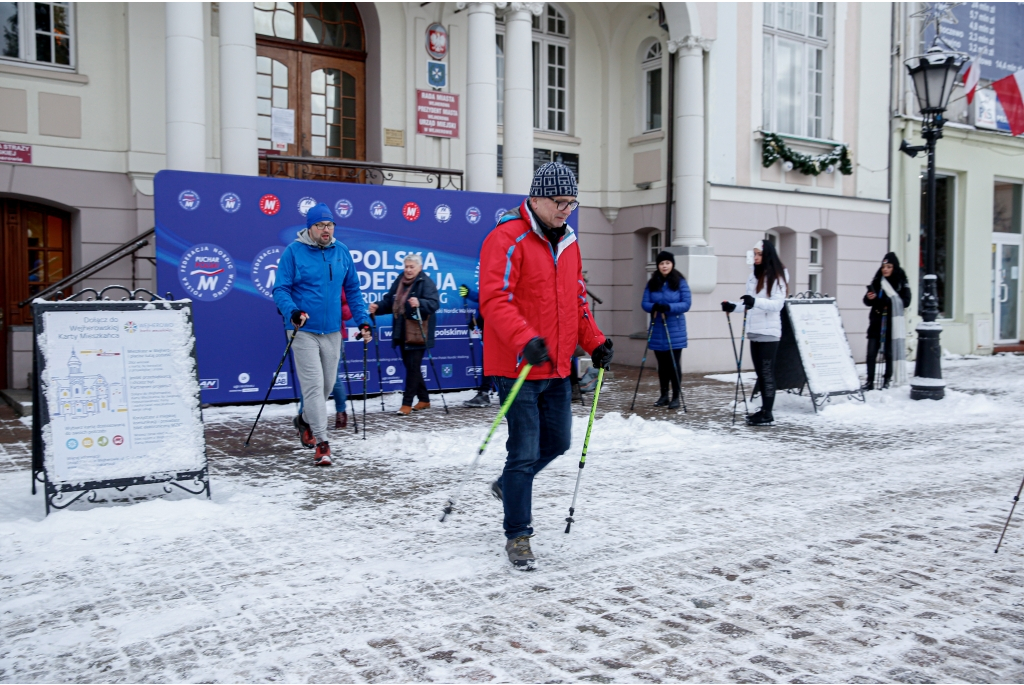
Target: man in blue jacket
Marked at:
310, 277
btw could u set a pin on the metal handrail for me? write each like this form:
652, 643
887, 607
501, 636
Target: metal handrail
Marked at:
119, 252
383, 169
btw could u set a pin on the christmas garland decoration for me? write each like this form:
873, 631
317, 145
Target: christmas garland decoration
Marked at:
774, 148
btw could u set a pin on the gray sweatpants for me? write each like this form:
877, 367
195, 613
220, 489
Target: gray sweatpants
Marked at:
316, 363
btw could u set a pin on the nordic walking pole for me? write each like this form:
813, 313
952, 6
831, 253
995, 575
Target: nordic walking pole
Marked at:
287, 349
736, 357
348, 381
643, 361
586, 443
450, 505
739, 372
419, 319
469, 330
1016, 499
679, 375
366, 346
380, 376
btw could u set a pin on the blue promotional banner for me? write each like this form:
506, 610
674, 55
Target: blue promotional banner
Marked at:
218, 241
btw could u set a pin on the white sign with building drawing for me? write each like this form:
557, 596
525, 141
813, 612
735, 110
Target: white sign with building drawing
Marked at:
121, 393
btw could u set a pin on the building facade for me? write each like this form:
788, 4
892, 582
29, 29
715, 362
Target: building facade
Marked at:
980, 174
640, 98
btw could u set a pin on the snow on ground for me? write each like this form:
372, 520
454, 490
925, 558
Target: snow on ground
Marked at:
850, 546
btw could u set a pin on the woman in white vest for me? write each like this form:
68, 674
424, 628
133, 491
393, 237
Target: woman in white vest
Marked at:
765, 298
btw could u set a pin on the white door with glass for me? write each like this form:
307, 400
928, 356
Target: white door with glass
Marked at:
1006, 262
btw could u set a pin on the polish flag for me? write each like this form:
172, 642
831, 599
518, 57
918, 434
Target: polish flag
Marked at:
971, 80
1011, 96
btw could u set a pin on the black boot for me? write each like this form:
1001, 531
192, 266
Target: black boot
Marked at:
674, 404
760, 418
663, 400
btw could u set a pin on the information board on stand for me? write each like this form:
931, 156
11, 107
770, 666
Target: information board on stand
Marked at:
118, 400
826, 361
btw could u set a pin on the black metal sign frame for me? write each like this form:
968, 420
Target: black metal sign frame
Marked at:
789, 376
63, 495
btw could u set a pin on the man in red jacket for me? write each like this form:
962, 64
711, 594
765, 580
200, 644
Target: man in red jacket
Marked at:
534, 303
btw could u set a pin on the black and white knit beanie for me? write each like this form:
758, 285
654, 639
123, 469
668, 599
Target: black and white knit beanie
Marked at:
554, 179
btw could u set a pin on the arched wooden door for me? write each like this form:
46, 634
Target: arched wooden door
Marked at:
311, 62
35, 251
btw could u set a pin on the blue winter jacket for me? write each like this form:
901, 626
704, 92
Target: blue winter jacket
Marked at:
310, 279
679, 303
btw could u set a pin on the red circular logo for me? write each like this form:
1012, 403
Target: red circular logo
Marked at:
270, 205
411, 211
118, 440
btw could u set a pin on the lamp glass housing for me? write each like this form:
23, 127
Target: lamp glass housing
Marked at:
934, 75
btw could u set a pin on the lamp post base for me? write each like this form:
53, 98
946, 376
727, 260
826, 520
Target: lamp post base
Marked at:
927, 388
927, 383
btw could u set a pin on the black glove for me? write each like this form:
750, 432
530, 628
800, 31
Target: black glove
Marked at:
661, 307
728, 307
297, 318
463, 290
536, 352
602, 354
748, 301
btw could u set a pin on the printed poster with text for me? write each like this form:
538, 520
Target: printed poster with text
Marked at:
122, 394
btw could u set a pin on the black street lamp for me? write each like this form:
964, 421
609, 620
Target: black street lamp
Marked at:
933, 74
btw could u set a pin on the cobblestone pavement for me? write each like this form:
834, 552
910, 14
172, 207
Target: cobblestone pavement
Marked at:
851, 546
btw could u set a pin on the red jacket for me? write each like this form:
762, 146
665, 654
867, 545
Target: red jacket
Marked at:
528, 289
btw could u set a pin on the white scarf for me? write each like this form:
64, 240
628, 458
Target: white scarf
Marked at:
897, 335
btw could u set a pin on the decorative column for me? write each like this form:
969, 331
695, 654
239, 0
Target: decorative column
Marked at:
186, 89
693, 255
238, 139
481, 100
517, 146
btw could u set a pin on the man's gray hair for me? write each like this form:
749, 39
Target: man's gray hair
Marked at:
414, 258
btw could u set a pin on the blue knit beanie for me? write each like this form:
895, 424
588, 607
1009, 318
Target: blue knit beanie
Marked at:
317, 214
554, 179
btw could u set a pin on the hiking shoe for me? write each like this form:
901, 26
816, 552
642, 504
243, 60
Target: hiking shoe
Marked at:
404, 410
420, 406
868, 385
482, 399
496, 491
760, 419
341, 420
662, 401
305, 432
674, 404
323, 455
520, 554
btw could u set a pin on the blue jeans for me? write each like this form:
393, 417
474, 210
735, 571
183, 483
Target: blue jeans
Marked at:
539, 429
340, 396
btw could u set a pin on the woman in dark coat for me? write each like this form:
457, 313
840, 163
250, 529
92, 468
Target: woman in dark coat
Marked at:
667, 298
413, 294
881, 315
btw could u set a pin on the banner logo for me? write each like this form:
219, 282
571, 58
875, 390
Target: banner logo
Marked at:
131, 326
306, 204
102, 441
230, 202
189, 200
343, 209
118, 440
206, 384
378, 210
72, 444
497, 214
446, 370
282, 380
411, 211
473, 215
264, 270
443, 213
243, 377
86, 442
207, 272
391, 370
270, 205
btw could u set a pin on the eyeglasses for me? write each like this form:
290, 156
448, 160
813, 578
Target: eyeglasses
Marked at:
324, 224
571, 205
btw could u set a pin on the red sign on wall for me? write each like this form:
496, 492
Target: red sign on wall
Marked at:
15, 153
437, 114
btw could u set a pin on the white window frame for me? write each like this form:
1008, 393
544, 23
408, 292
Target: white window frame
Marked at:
648, 65
499, 57
814, 118
814, 263
541, 39
27, 39
654, 246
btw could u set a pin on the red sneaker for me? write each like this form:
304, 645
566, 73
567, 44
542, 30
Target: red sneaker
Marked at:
305, 432
323, 455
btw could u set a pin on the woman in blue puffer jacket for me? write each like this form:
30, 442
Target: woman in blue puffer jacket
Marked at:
667, 297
